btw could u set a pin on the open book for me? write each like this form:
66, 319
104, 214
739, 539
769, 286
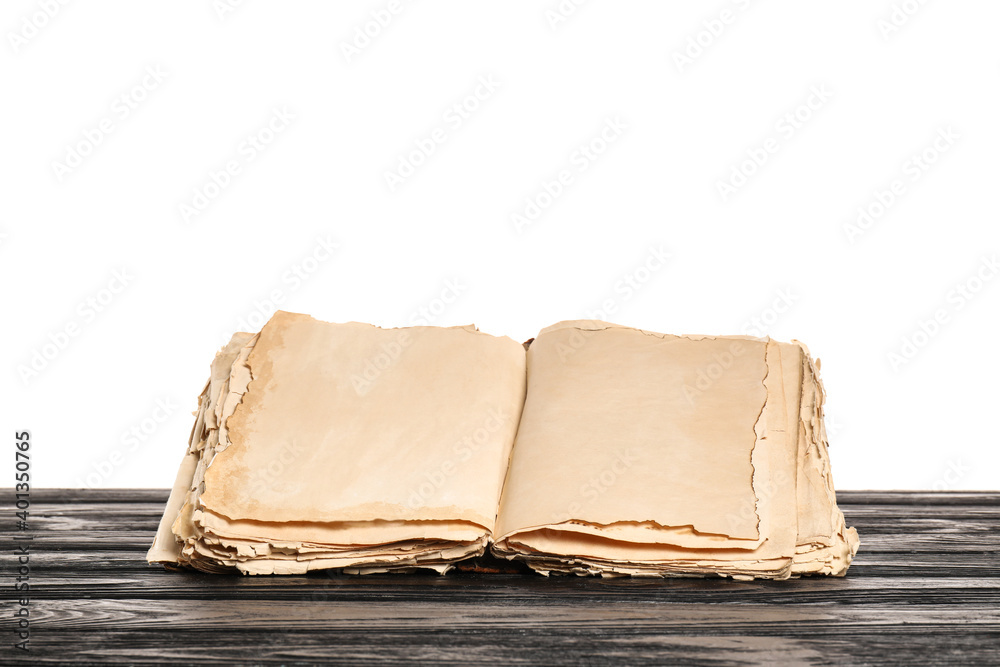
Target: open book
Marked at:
591, 449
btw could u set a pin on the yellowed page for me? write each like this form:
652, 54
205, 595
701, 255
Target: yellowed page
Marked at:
320, 445
568, 547
429, 438
166, 545
616, 428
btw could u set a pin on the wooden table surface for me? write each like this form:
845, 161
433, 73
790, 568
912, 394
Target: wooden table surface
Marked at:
924, 589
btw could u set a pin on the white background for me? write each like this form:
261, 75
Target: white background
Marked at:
892, 78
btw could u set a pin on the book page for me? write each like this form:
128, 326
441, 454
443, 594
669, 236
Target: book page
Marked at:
615, 428
427, 438
348, 446
729, 431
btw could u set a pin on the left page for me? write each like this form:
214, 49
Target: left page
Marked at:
347, 446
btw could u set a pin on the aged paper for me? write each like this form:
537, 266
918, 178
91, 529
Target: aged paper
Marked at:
347, 446
712, 429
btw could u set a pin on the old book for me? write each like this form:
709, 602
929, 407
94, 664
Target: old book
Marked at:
593, 448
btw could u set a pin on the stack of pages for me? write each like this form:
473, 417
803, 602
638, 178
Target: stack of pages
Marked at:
591, 449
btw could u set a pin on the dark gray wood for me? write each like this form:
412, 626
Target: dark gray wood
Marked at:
924, 589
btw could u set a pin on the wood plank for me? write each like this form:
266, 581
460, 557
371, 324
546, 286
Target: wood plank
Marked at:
925, 588
462, 613
532, 645
510, 589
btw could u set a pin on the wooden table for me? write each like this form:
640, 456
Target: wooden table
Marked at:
924, 589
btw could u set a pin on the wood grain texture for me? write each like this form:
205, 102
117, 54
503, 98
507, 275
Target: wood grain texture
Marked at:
924, 589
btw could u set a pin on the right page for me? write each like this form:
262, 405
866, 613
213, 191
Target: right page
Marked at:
641, 453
